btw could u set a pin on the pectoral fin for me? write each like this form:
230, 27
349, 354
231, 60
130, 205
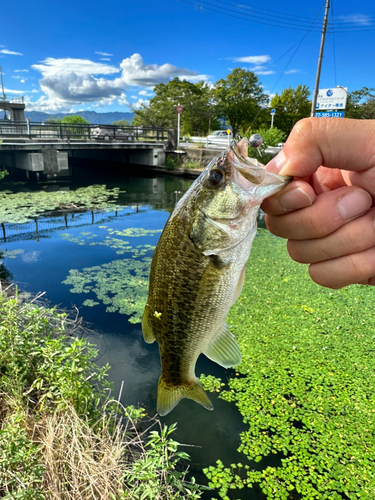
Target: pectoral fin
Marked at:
169, 397
239, 286
224, 350
148, 334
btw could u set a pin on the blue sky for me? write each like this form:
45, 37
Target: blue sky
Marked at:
108, 55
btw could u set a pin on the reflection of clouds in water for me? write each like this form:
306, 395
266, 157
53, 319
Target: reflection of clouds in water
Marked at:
31, 257
134, 362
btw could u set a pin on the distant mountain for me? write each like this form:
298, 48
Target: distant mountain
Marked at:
91, 116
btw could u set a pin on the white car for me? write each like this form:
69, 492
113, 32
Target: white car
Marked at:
218, 137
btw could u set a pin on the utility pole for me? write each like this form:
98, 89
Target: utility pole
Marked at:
3, 98
316, 90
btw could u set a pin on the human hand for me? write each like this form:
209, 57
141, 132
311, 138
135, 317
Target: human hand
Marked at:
326, 212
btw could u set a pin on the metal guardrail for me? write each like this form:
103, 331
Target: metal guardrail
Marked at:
64, 131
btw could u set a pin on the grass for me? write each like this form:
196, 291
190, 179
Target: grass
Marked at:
305, 386
61, 436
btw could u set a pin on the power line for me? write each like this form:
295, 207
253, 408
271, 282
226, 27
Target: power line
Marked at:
243, 17
268, 13
263, 16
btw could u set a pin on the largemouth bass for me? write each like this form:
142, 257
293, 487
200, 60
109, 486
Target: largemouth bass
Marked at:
198, 270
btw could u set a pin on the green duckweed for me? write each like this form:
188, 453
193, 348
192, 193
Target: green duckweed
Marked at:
305, 386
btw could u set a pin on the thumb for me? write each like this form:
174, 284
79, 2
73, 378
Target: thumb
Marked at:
330, 142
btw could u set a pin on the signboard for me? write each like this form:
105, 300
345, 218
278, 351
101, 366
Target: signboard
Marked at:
273, 111
334, 98
330, 114
229, 131
179, 109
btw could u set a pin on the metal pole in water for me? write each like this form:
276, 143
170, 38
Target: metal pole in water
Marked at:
316, 90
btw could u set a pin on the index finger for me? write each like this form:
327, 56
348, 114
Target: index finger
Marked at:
332, 142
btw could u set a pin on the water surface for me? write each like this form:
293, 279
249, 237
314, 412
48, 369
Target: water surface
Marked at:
109, 246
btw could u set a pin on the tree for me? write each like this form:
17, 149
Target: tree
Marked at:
361, 104
291, 106
75, 119
162, 109
239, 98
121, 123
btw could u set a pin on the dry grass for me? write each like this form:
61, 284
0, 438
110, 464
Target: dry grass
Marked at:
83, 463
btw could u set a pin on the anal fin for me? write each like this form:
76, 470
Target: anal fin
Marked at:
224, 350
169, 397
148, 334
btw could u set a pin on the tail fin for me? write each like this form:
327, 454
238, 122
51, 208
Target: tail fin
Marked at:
169, 397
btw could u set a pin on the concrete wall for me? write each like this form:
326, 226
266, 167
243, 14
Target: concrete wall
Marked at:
204, 156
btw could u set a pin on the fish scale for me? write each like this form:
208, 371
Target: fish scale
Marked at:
197, 271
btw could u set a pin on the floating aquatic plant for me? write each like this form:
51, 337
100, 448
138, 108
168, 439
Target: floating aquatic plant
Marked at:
11, 254
121, 285
305, 385
20, 207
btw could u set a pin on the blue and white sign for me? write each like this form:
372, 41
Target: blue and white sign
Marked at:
273, 111
330, 114
334, 98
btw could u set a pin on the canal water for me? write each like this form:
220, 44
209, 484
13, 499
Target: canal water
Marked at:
97, 260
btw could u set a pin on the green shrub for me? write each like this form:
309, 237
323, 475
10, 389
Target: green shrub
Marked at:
3, 173
192, 164
60, 434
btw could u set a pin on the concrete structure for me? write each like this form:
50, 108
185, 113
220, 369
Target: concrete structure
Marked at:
51, 158
15, 110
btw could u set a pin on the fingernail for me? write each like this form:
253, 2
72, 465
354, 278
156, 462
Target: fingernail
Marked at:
295, 199
354, 204
277, 163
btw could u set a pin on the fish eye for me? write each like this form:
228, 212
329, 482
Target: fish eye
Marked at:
215, 177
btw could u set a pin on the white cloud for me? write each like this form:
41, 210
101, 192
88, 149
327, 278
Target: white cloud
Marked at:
251, 59
123, 100
139, 103
10, 91
10, 52
67, 82
21, 70
135, 72
134, 97
263, 71
361, 19
291, 71
53, 67
105, 59
104, 54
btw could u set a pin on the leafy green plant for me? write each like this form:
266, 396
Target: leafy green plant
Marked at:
60, 434
192, 164
211, 383
154, 476
171, 164
305, 388
3, 173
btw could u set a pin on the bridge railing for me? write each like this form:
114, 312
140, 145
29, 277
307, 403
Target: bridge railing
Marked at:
68, 131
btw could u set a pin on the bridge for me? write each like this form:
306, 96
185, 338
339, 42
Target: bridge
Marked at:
45, 148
